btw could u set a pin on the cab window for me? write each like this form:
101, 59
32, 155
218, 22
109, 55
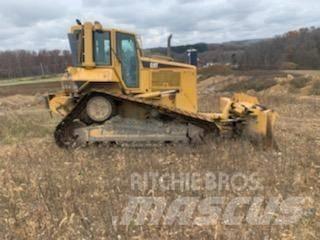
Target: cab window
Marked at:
101, 42
127, 51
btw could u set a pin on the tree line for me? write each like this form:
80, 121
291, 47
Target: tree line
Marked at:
296, 50
23, 63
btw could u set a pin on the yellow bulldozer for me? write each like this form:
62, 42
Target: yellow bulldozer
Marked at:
114, 94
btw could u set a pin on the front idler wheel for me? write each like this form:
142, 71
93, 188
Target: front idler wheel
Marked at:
66, 136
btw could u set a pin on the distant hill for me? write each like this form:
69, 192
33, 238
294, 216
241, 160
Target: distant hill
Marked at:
208, 52
298, 49
245, 42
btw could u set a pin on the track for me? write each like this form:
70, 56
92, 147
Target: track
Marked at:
64, 139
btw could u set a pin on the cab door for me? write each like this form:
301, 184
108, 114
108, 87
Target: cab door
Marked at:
127, 52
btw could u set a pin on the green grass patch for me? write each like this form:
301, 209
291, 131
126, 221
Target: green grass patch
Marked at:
30, 80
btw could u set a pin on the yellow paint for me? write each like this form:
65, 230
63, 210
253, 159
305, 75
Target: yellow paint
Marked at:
157, 75
60, 104
88, 43
96, 133
186, 98
260, 121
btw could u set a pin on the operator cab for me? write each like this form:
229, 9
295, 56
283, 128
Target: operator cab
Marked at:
95, 47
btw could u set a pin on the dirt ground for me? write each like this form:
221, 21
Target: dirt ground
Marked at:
52, 193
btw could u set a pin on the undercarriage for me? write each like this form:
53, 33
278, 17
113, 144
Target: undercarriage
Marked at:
160, 125
120, 130
155, 123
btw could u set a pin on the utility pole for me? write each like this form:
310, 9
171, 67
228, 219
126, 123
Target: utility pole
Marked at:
42, 70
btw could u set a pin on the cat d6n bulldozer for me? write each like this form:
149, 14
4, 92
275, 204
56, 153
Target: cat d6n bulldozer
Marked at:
112, 93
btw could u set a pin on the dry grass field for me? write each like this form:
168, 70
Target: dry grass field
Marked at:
52, 193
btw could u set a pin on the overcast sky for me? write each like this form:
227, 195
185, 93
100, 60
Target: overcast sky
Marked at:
40, 24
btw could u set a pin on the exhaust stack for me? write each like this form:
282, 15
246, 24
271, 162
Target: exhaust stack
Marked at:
169, 46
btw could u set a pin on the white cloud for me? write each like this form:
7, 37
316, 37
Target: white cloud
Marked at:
36, 24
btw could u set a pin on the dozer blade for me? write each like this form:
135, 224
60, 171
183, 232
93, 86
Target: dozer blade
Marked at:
262, 127
259, 120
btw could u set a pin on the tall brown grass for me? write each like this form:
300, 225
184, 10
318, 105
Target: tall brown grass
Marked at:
51, 193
